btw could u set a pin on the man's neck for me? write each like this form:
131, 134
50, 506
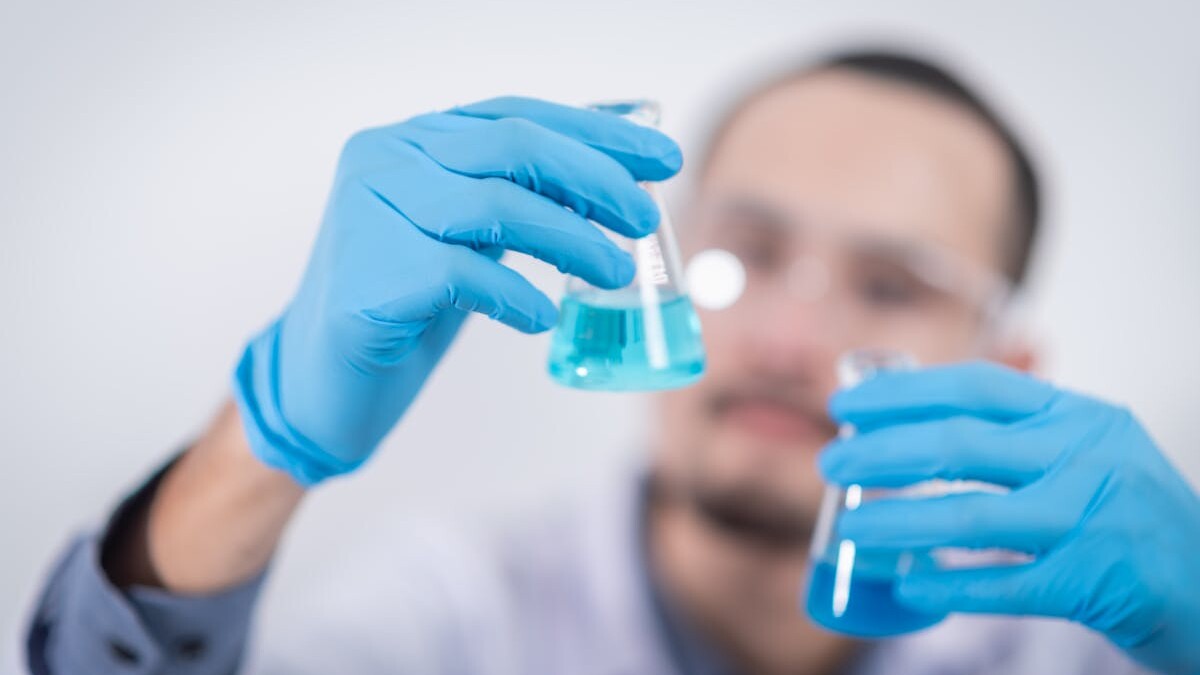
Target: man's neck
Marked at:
742, 597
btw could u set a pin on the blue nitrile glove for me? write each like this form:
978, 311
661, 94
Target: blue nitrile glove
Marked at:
419, 215
1113, 529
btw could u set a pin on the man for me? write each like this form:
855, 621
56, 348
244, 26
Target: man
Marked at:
873, 202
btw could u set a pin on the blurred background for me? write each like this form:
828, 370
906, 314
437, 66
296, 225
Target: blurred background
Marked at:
163, 169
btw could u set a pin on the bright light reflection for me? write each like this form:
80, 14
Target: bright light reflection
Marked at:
716, 278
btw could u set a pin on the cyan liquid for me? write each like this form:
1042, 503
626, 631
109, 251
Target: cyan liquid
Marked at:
606, 346
871, 610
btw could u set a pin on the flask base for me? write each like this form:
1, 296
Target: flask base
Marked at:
870, 610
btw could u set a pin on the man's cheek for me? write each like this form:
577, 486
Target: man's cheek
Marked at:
683, 413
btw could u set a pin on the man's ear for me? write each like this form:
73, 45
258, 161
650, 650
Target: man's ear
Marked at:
1011, 339
1018, 354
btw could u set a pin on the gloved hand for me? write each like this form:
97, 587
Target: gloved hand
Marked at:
419, 215
1113, 529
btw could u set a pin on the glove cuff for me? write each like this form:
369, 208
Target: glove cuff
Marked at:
272, 440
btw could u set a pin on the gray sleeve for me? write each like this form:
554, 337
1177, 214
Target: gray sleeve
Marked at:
84, 624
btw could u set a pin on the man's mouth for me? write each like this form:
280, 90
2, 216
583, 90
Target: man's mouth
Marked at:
776, 420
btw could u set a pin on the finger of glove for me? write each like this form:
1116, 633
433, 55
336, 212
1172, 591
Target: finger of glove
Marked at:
647, 153
952, 448
588, 182
981, 389
492, 212
969, 520
1017, 589
493, 252
468, 280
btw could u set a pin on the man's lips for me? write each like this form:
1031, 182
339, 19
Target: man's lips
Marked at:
778, 422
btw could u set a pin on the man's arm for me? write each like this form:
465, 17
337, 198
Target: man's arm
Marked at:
213, 522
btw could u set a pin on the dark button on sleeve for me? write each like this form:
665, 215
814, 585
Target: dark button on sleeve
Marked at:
122, 653
191, 648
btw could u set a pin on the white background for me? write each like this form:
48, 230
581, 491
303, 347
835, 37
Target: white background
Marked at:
163, 170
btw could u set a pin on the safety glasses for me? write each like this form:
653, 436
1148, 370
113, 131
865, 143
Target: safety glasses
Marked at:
868, 290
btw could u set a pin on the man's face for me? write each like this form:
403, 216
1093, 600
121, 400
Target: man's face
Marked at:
837, 192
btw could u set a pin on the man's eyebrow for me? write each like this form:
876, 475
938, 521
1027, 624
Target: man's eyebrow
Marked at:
756, 211
882, 246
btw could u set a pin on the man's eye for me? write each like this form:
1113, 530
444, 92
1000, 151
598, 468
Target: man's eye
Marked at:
889, 291
759, 255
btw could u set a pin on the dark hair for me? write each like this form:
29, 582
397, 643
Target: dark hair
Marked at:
924, 74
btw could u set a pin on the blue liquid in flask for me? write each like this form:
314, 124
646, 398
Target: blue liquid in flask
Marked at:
868, 608
613, 342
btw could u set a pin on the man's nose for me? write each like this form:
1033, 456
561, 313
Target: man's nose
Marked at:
797, 328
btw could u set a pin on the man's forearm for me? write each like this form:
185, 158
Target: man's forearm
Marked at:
213, 522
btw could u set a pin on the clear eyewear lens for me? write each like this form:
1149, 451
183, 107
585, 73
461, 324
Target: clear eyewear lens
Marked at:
879, 295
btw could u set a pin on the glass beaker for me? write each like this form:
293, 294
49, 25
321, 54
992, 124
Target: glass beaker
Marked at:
644, 336
850, 591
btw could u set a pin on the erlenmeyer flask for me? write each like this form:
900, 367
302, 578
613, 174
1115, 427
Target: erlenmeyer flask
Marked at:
851, 591
641, 337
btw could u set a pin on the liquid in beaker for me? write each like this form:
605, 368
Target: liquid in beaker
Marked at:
613, 342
